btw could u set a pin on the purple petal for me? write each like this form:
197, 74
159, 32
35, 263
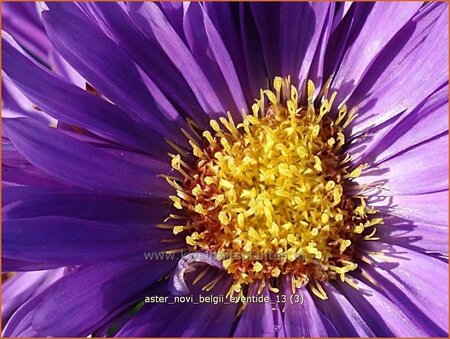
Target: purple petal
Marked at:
23, 286
93, 295
49, 149
429, 208
89, 206
152, 319
20, 324
12, 265
190, 319
414, 235
259, 319
115, 22
342, 315
343, 34
426, 165
301, 27
221, 14
384, 317
268, 34
174, 13
211, 54
415, 126
417, 283
154, 24
301, 317
63, 68
264, 13
419, 49
14, 193
16, 104
68, 7
342, 9
71, 241
22, 20
371, 40
316, 70
13, 99
252, 51
107, 68
111, 327
71, 104
16, 170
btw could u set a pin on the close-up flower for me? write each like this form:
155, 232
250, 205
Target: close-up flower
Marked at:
220, 169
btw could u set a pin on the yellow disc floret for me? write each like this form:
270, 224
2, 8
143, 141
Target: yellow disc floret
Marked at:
267, 195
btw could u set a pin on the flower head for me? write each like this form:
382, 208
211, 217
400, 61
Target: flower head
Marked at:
225, 169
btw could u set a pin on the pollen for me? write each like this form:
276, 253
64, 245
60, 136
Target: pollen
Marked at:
268, 195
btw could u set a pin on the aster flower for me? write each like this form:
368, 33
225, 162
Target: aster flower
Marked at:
279, 167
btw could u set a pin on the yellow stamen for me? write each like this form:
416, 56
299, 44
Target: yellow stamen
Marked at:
274, 185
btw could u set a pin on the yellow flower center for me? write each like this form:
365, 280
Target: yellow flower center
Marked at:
267, 196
